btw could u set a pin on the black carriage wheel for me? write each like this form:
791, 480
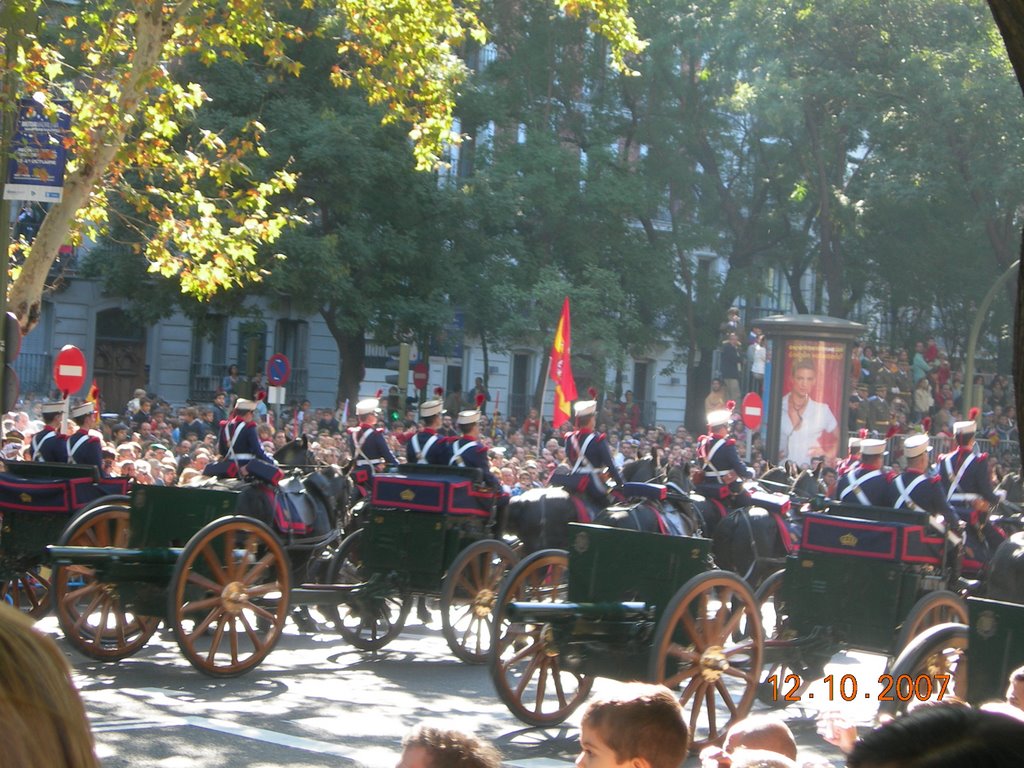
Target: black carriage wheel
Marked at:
468, 595
228, 596
773, 617
941, 607
367, 622
696, 654
938, 653
90, 612
29, 591
527, 670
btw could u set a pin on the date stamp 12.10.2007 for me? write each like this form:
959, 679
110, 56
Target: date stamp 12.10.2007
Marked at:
846, 688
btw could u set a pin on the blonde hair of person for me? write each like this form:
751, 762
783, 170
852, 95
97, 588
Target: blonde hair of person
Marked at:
43, 717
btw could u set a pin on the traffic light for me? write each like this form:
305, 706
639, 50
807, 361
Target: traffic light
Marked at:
398, 360
12, 346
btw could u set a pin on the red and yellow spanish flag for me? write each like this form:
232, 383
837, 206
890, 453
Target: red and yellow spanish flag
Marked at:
94, 398
560, 369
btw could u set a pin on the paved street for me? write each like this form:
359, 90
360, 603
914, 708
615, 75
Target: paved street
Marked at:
317, 702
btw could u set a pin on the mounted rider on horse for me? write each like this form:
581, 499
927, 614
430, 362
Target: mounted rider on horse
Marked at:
590, 460
723, 471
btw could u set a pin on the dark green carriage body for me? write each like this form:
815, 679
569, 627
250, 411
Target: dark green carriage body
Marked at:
620, 583
419, 520
995, 647
858, 574
161, 521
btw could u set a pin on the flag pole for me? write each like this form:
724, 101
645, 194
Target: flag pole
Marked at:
540, 426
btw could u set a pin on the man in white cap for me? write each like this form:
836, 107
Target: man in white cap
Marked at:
723, 469
965, 474
367, 445
468, 451
48, 444
852, 460
916, 488
588, 451
427, 446
868, 484
83, 447
239, 441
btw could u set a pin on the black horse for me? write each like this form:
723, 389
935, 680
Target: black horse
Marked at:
1006, 571
754, 541
540, 516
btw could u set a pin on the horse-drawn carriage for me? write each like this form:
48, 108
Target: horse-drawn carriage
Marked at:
427, 531
866, 578
37, 502
224, 574
206, 560
934, 666
627, 605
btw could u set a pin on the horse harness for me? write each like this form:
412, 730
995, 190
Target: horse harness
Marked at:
855, 484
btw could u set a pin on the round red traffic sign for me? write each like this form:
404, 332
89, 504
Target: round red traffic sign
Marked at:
69, 369
279, 369
751, 409
419, 375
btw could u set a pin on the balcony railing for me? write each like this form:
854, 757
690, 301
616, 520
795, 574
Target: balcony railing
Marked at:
208, 377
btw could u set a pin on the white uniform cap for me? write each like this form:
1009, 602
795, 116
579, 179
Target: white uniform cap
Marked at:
82, 410
964, 427
431, 408
854, 443
48, 408
241, 404
915, 445
719, 418
872, 447
585, 407
469, 417
367, 406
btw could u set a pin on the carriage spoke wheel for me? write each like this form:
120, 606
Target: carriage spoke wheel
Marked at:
695, 653
91, 613
228, 596
933, 665
773, 615
28, 591
527, 668
941, 607
369, 622
468, 595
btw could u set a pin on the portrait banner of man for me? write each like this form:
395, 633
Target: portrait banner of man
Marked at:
812, 396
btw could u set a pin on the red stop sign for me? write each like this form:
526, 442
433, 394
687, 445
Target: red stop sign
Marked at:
751, 409
69, 369
419, 375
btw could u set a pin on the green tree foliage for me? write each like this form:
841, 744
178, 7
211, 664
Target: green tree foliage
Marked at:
205, 214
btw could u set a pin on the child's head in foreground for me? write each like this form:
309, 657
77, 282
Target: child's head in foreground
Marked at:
640, 727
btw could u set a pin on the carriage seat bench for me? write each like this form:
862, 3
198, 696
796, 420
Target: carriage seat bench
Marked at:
450, 490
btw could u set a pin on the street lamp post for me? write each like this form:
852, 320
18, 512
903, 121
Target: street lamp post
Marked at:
972, 340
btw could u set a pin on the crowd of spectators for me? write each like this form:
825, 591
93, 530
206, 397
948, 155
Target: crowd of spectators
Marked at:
894, 391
